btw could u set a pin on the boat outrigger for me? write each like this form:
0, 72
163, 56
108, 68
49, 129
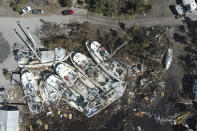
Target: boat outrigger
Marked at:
89, 69
30, 88
101, 55
76, 81
57, 89
168, 60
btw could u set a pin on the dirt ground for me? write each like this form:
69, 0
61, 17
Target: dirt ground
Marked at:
161, 8
4, 48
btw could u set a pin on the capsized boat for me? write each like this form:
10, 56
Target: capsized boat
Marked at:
88, 68
76, 81
101, 55
30, 89
57, 89
168, 60
117, 90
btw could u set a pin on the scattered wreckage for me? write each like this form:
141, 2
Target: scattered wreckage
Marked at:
88, 87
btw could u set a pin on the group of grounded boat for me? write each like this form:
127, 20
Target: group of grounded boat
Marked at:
89, 86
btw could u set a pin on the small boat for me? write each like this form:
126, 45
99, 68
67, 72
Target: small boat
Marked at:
30, 89
117, 90
58, 54
57, 89
76, 81
101, 55
168, 60
89, 69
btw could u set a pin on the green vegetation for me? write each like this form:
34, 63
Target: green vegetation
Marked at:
80, 2
121, 8
67, 3
17, 5
142, 43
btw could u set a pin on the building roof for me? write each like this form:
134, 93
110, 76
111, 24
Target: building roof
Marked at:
9, 120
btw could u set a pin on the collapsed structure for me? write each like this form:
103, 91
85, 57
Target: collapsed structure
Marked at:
89, 86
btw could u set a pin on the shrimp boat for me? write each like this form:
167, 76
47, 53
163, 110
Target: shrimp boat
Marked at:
30, 89
116, 91
168, 60
89, 69
56, 89
76, 81
101, 55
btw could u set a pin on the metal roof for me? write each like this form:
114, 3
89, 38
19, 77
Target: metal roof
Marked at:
9, 120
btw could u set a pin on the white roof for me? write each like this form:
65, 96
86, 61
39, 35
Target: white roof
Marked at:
9, 120
192, 4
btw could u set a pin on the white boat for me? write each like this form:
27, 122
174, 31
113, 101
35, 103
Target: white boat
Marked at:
58, 54
117, 90
30, 89
101, 55
168, 60
76, 81
89, 69
57, 89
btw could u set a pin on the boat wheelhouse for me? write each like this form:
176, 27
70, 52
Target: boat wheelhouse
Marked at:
76, 81
91, 70
101, 55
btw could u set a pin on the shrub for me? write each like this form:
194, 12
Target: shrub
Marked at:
51, 45
16, 7
21, 2
67, 3
80, 2
120, 8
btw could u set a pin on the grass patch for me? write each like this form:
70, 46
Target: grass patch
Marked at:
17, 5
118, 8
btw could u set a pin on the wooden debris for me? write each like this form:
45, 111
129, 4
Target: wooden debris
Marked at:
140, 114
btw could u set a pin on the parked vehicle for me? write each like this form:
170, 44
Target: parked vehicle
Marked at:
37, 11
25, 10
67, 12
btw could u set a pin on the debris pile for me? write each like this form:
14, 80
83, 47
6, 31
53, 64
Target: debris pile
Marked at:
88, 87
